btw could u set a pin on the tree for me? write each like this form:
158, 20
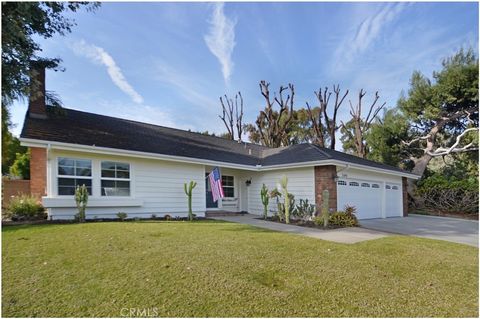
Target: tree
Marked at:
21, 166
325, 126
232, 116
361, 124
10, 144
384, 139
272, 127
21, 23
442, 112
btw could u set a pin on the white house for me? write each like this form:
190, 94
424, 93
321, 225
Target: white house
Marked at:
140, 169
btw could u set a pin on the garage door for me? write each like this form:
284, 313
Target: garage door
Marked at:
366, 196
393, 193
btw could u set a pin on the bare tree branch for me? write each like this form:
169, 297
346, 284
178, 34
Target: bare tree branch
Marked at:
442, 151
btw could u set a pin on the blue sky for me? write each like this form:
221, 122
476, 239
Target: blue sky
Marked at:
168, 63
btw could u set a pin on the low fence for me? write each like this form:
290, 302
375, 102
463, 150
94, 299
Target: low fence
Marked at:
14, 187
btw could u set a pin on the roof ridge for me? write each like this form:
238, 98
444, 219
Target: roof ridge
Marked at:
317, 147
170, 128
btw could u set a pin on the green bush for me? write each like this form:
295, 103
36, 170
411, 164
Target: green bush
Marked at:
21, 166
25, 207
449, 194
343, 219
304, 210
122, 216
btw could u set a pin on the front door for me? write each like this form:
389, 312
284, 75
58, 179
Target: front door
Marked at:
210, 202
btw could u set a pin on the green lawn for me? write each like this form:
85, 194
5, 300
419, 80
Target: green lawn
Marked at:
230, 270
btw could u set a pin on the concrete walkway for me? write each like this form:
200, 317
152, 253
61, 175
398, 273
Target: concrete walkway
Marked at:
443, 228
342, 235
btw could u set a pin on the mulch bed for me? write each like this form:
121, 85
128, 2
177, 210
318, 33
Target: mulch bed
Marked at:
301, 223
103, 220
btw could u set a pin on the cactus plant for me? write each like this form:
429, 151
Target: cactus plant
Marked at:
81, 199
265, 200
325, 215
286, 198
188, 192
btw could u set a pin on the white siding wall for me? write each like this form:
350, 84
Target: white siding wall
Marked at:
301, 183
157, 185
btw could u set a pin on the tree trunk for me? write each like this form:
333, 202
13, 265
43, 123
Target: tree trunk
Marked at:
419, 168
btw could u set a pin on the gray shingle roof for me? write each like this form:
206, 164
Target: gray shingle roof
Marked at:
77, 127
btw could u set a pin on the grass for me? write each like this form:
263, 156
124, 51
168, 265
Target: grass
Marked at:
206, 269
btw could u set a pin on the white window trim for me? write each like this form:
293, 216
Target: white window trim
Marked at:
116, 179
57, 176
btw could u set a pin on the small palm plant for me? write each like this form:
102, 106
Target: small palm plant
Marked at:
265, 200
188, 192
81, 199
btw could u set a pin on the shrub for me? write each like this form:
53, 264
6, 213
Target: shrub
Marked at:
304, 210
343, 219
449, 194
25, 207
122, 216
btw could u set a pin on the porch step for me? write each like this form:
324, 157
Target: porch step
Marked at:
223, 214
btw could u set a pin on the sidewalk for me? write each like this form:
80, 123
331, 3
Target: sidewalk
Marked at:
350, 235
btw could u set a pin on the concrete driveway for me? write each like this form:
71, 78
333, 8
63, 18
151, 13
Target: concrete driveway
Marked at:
450, 229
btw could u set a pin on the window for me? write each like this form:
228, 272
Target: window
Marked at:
73, 173
395, 187
342, 183
115, 179
365, 185
375, 186
387, 187
353, 184
228, 188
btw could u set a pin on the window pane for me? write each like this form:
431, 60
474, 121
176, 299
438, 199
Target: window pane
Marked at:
123, 192
66, 170
227, 180
86, 182
108, 173
108, 183
66, 182
228, 191
123, 174
123, 166
63, 190
108, 165
123, 184
83, 163
65, 161
83, 171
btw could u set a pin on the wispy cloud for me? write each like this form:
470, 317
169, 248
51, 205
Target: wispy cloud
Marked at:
99, 55
221, 39
367, 32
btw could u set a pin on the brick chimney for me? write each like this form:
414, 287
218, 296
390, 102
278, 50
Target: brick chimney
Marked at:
36, 102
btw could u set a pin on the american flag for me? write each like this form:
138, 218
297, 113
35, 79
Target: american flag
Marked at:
216, 184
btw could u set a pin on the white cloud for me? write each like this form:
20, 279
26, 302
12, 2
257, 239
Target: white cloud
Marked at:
367, 32
99, 55
221, 39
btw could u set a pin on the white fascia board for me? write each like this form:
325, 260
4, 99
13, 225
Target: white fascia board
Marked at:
340, 163
113, 151
120, 152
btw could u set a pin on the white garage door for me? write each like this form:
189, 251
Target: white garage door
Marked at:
393, 193
366, 196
